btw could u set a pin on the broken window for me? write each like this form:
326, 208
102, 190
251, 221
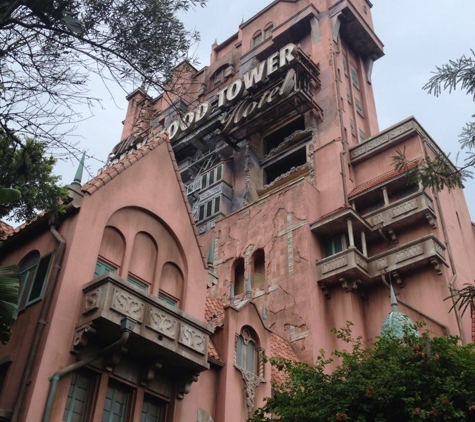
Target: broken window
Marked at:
274, 139
259, 268
284, 164
239, 276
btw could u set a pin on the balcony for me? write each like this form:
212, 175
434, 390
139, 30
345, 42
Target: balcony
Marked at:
349, 268
425, 251
404, 213
159, 332
352, 269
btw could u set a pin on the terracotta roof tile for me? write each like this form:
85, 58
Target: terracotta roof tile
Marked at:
214, 312
12, 231
117, 168
214, 315
110, 173
212, 352
334, 212
381, 179
5, 230
280, 348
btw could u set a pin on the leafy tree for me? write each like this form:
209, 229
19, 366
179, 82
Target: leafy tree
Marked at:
438, 172
392, 380
49, 48
9, 285
26, 166
9, 282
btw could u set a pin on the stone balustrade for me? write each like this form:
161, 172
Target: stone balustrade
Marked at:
352, 269
175, 338
406, 211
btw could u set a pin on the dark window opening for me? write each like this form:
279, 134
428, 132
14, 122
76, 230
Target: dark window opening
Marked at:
355, 79
259, 261
333, 245
4, 365
276, 138
33, 276
295, 159
202, 213
239, 276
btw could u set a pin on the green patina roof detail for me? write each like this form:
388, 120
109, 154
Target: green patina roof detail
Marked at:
397, 324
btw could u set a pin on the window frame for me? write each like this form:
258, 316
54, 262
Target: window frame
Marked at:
27, 286
331, 243
257, 38
167, 298
245, 344
107, 265
91, 393
355, 80
267, 33
130, 393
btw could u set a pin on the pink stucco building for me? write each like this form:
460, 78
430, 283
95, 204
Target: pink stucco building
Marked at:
248, 212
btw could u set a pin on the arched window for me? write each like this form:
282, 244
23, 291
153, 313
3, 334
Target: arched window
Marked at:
247, 355
268, 30
171, 284
33, 275
259, 268
111, 252
143, 261
239, 284
257, 38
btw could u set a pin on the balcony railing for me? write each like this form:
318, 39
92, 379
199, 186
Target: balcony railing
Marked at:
404, 212
352, 269
158, 330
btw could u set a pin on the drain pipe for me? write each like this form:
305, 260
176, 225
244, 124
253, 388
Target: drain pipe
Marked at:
51, 287
126, 327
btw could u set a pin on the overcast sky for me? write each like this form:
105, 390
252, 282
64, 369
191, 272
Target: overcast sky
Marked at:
417, 34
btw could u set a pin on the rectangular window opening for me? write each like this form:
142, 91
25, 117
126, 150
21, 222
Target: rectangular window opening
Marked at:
80, 397
117, 404
355, 79
274, 139
295, 159
359, 108
153, 410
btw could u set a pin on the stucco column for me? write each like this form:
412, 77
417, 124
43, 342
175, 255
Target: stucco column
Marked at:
350, 232
385, 195
363, 243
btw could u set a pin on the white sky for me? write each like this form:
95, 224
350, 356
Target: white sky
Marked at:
417, 34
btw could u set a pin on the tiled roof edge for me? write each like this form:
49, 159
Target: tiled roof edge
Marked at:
112, 172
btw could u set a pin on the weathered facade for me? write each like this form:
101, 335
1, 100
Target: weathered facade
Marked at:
247, 212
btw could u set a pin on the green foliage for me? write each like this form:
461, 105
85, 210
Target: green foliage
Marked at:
392, 380
48, 49
9, 285
26, 167
438, 172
